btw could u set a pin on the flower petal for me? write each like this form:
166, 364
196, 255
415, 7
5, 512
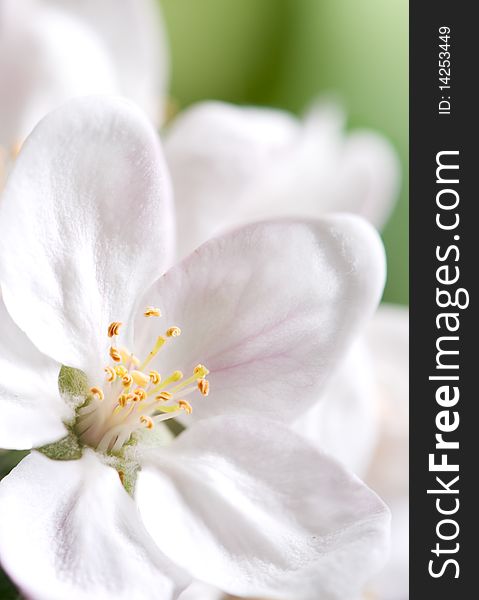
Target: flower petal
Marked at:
344, 421
32, 412
218, 154
269, 309
86, 220
46, 57
388, 339
69, 530
135, 38
392, 582
232, 165
254, 510
201, 591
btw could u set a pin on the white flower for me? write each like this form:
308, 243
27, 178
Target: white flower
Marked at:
237, 500
53, 50
236, 164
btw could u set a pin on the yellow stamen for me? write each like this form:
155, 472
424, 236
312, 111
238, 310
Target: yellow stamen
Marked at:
173, 332
127, 357
152, 311
140, 378
204, 386
158, 344
113, 328
200, 371
169, 409
121, 371
186, 406
147, 421
97, 392
139, 394
115, 354
110, 374
164, 396
127, 380
175, 376
155, 377
122, 400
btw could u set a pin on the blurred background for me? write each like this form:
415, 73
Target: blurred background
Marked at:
283, 53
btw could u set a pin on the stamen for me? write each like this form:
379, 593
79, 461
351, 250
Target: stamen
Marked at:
139, 394
110, 374
204, 386
155, 377
158, 344
113, 328
164, 396
115, 354
127, 357
145, 400
127, 380
147, 421
186, 406
140, 378
97, 392
175, 376
173, 332
122, 400
121, 371
174, 408
200, 371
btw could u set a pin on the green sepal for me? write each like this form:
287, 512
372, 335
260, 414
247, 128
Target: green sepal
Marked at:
68, 448
72, 384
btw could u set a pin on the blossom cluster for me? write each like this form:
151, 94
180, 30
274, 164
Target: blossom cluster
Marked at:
191, 348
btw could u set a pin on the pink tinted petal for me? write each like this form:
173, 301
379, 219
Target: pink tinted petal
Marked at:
269, 309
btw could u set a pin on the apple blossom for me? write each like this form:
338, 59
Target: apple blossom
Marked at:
109, 505
234, 164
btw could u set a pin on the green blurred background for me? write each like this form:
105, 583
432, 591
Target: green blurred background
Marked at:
283, 53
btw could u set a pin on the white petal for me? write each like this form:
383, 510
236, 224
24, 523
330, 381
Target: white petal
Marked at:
389, 471
269, 309
388, 339
252, 509
134, 36
201, 591
367, 177
232, 165
46, 57
344, 421
86, 220
392, 583
31, 410
69, 530
217, 155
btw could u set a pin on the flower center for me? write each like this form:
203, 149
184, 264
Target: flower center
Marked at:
135, 396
